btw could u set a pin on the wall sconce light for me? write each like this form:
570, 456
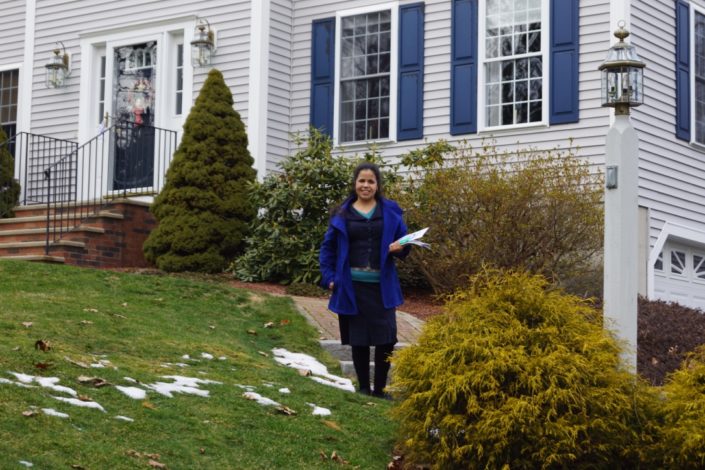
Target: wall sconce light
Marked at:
203, 44
58, 68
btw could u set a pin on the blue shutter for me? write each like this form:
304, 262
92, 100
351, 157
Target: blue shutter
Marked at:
682, 70
322, 75
411, 52
564, 61
463, 67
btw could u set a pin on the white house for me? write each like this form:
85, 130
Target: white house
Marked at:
399, 73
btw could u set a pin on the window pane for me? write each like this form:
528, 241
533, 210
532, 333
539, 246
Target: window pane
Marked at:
535, 111
346, 47
371, 65
373, 109
383, 128
521, 115
677, 262
699, 77
346, 112
348, 24
347, 90
384, 107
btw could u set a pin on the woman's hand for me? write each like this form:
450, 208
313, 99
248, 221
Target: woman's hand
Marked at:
395, 247
330, 285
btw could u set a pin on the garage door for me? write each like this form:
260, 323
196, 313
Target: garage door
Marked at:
679, 275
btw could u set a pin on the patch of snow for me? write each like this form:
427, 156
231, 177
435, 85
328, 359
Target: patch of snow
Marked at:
19, 384
84, 404
205, 355
130, 379
319, 411
319, 371
98, 365
267, 384
124, 418
181, 364
188, 385
284, 390
264, 401
222, 358
46, 382
185, 356
26, 464
249, 388
133, 392
53, 412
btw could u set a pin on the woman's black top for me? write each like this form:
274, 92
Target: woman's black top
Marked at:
365, 236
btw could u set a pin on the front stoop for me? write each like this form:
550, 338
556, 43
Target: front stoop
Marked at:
111, 238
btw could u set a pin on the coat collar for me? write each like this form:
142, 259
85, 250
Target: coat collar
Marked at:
338, 221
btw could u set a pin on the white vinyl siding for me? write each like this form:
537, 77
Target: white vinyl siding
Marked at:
12, 32
671, 171
279, 95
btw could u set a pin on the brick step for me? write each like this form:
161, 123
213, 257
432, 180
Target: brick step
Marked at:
39, 221
40, 210
39, 234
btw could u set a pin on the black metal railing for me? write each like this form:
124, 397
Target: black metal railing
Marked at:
76, 182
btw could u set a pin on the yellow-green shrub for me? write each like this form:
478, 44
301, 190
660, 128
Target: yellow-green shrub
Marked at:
517, 375
683, 440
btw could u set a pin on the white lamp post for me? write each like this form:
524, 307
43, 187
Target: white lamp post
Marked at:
622, 88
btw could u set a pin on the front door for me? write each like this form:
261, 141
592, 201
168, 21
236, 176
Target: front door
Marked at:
134, 99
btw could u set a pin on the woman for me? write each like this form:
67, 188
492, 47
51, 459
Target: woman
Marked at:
357, 264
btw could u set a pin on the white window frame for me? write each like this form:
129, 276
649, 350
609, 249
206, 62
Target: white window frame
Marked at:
691, 33
393, 7
546, 67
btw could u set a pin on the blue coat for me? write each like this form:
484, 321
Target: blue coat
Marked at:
335, 264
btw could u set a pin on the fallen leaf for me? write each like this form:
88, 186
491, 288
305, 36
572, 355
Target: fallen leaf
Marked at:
332, 425
304, 372
124, 304
149, 405
269, 324
323, 455
284, 322
262, 353
77, 363
654, 361
251, 332
155, 464
337, 458
86, 322
134, 453
97, 382
27, 324
43, 365
152, 456
119, 316
202, 451
29, 413
92, 310
42, 344
78, 467
285, 410
84, 398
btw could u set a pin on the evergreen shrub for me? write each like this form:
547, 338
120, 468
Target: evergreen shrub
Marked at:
204, 209
9, 186
518, 375
683, 441
535, 210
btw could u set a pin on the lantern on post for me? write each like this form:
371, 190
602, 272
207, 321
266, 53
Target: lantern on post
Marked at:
622, 75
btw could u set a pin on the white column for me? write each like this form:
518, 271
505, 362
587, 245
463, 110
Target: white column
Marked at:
621, 237
258, 90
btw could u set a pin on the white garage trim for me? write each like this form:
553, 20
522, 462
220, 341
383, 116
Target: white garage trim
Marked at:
675, 232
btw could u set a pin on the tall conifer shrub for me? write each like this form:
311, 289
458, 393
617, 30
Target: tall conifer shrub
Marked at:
204, 210
9, 187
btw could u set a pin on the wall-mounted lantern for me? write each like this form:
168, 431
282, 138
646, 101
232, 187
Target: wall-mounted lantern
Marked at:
59, 67
203, 44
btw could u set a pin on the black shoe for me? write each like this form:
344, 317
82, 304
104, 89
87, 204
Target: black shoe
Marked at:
364, 391
383, 395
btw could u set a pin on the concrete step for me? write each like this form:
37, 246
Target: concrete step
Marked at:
343, 354
38, 258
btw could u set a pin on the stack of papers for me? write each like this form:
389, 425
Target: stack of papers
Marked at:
415, 239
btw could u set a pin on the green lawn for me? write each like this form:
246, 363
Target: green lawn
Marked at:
142, 323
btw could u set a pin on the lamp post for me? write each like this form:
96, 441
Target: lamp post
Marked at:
622, 88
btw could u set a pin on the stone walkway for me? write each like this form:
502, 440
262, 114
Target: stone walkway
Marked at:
326, 322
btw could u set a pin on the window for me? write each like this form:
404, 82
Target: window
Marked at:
678, 262
101, 91
658, 264
699, 266
514, 55
179, 89
699, 78
8, 101
366, 81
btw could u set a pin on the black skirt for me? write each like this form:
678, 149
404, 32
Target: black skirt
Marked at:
373, 325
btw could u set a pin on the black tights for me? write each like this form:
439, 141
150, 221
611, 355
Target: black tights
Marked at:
361, 361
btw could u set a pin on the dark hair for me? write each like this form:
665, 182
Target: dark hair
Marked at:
378, 176
352, 195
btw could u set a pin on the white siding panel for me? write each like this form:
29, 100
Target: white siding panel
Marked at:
672, 172
68, 20
589, 133
279, 94
12, 33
